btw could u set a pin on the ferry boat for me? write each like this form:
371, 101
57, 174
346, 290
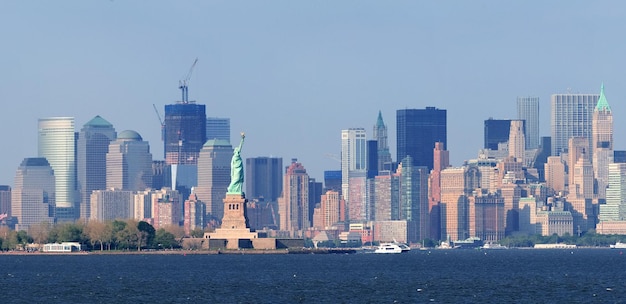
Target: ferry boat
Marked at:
618, 245
392, 248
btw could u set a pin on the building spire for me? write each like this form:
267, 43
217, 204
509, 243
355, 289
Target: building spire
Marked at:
379, 121
602, 105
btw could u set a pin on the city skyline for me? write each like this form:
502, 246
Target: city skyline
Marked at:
278, 64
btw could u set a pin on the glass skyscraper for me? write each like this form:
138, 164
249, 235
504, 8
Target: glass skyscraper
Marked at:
572, 116
264, 176
93, 144
218, 128
184, 132
214, 176
496, 131
417, 132
129, 162
528, 110
57, 144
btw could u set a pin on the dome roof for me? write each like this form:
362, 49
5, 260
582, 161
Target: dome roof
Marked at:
129, 135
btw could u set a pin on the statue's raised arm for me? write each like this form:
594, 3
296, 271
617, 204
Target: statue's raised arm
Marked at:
236, 170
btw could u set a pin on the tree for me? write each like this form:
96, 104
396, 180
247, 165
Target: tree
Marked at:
40, 232
145, 234
197, 233
166, 239
98, 231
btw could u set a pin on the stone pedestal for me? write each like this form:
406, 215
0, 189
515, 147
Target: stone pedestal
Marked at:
234, 227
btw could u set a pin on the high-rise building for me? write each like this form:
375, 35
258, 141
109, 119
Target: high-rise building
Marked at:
386, 197
454, 204
517, 142
293, 205
555, 174
57, 144
417, 132
380, 135
615, 207
218, 128
441, 160
353, 160
264, 176
214, 176
331, 208
167, 207
111, 204
528, 111
129, 162
92, 147
602, 141
414, 199
184, 132
572, 115
486, 217
332, 180
5, 200
195, 212
315, 195
577, 147
32, 197
496, 131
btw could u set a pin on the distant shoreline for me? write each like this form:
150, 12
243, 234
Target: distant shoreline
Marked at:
188, 252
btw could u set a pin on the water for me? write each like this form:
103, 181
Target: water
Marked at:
444, 276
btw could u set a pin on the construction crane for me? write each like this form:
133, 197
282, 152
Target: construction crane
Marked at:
182, 84
160, 121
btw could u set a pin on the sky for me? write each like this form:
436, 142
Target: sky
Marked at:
293, 74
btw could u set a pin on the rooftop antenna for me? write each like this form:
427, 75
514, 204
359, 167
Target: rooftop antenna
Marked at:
182, 84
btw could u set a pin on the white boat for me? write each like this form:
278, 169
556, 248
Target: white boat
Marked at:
446, 245
618, 245
492, 246
392, 248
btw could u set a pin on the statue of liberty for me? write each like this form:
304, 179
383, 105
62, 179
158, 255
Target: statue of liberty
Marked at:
236, 170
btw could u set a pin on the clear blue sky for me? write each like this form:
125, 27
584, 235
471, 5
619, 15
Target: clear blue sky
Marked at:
292, 74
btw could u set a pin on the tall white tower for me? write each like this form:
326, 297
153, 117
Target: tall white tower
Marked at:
57, 144
353, 158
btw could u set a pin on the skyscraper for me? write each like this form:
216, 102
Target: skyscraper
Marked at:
293, 205
528, 110
454, 204
129, 162
572, 116
380, 135
353, 160
414, 199
184, 132
264, 176
517, 142
218, 128
32, 197
417, 131
602, 142
214, 176
441, 160
93, 144
615, 207
57, 144
496, 131
5, 200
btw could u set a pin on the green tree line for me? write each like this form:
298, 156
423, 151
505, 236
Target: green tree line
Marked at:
95, 235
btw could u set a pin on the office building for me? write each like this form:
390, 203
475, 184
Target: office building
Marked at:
441, 160
32, 196
615, 207
129, 162
414, 199
454, 204
602, 141
92, 146
496, 131
111, 204
214, 176
577, 148
353, 160
264, 178
380, 135
386, 197
167, 208
5, 200
57, 144
184, 132
331, 209
294, 203
572, 116
332, 180
218, 128
555, 174
528, 111
486, 217
517, 141
417, 132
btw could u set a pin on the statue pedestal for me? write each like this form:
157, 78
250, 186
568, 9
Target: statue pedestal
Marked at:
234, 223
